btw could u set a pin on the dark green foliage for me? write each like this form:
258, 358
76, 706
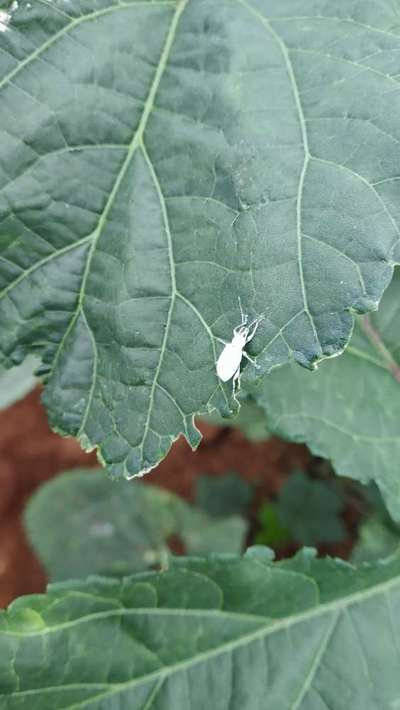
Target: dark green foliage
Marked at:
223, 495
349, 410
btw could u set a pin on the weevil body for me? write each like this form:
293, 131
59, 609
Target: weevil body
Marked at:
228, 363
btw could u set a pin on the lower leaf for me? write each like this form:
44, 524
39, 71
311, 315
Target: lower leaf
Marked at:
225, 632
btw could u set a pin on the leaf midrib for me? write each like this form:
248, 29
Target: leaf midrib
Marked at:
172, 276
384, 359
317, 610
136, 141
376, 440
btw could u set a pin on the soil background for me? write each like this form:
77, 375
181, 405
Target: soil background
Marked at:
31, 454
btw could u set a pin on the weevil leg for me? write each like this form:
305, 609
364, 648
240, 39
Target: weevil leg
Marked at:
236, 379
250, 359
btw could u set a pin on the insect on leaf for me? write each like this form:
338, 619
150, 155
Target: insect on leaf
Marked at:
160, 158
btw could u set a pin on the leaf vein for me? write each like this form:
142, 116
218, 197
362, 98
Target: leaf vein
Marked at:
173, 293
345, 256
303, 128
42, 262
60, 151
366, 182
137, 140
315, 662
64, 30
267, 628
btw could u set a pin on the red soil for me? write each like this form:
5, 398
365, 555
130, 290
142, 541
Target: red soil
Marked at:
30, 454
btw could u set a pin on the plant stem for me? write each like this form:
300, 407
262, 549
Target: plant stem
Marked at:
376, 339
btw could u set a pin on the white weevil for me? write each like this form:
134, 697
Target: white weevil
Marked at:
228, 363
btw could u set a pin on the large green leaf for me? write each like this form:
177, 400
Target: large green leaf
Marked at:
250, 420
157, 160
80, 524
222, 633
349, 410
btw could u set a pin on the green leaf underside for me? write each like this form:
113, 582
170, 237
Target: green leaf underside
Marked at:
159, 159
225, 632
349, 410
376, 539
103, 528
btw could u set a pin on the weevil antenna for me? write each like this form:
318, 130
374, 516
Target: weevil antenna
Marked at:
251, 333
256, 320
243, 316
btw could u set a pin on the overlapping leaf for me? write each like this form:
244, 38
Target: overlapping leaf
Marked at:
250, 420
157, 160
349, 410
222, 633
